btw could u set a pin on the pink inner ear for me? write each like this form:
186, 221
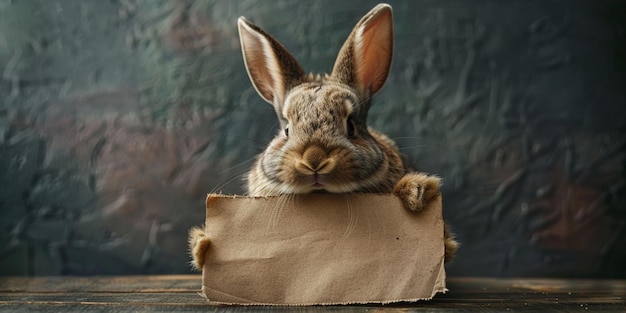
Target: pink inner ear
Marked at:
256, 59
374, 51
260, 76
270, 66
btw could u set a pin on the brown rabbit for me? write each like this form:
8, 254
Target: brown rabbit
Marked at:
325, 144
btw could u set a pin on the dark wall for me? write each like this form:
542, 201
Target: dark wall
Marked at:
117, 117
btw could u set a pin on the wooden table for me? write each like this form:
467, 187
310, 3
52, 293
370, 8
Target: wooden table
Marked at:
180, 293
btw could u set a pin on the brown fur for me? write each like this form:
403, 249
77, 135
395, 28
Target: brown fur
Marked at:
325, 144
198, 244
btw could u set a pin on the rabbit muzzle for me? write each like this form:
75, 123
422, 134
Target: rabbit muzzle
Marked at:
314, 166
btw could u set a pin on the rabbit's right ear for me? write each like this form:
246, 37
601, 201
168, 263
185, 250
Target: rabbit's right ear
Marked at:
272, 69
364, 60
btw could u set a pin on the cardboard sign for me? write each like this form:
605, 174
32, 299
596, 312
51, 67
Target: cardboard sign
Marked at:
320, 249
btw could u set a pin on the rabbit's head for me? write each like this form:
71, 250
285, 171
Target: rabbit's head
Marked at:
324, 143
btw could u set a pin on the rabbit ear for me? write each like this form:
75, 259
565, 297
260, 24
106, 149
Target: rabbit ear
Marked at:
272, 69
364, 60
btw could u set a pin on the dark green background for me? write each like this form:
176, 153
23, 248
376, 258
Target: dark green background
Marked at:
117, 117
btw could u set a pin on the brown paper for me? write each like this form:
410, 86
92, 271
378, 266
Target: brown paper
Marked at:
321, 249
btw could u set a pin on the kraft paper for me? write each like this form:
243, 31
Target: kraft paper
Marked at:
320, 249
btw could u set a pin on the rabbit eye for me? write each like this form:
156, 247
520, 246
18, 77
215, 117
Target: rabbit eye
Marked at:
287, 130
351, 127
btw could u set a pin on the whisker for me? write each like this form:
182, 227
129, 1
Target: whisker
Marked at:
352, 216
257, 144
228, 181
284, 201
405, 137
240, 164
412, 147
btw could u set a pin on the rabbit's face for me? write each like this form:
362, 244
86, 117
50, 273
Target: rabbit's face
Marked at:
325, 144
323, 147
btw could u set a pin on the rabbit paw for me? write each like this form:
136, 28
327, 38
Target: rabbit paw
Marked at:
415, 190
198, 244
450, 244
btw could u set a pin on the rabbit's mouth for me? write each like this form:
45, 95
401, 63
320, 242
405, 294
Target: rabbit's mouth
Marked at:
320, 191
316, 182
318, 179
324, 183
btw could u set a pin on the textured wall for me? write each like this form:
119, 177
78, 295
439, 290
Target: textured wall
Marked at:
117, 117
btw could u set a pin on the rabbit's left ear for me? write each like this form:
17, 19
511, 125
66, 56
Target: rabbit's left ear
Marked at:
272, 69
364, 60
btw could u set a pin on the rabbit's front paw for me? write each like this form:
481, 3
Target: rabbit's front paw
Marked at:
415, 190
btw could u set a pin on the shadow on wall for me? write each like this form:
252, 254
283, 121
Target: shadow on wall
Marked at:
118, 118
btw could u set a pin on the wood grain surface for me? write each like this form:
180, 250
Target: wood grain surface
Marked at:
180, 293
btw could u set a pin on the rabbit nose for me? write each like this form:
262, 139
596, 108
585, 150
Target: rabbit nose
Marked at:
315, 159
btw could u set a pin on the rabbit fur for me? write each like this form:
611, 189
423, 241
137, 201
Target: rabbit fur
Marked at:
324, 144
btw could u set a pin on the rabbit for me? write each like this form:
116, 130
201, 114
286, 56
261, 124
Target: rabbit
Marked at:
324, 144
